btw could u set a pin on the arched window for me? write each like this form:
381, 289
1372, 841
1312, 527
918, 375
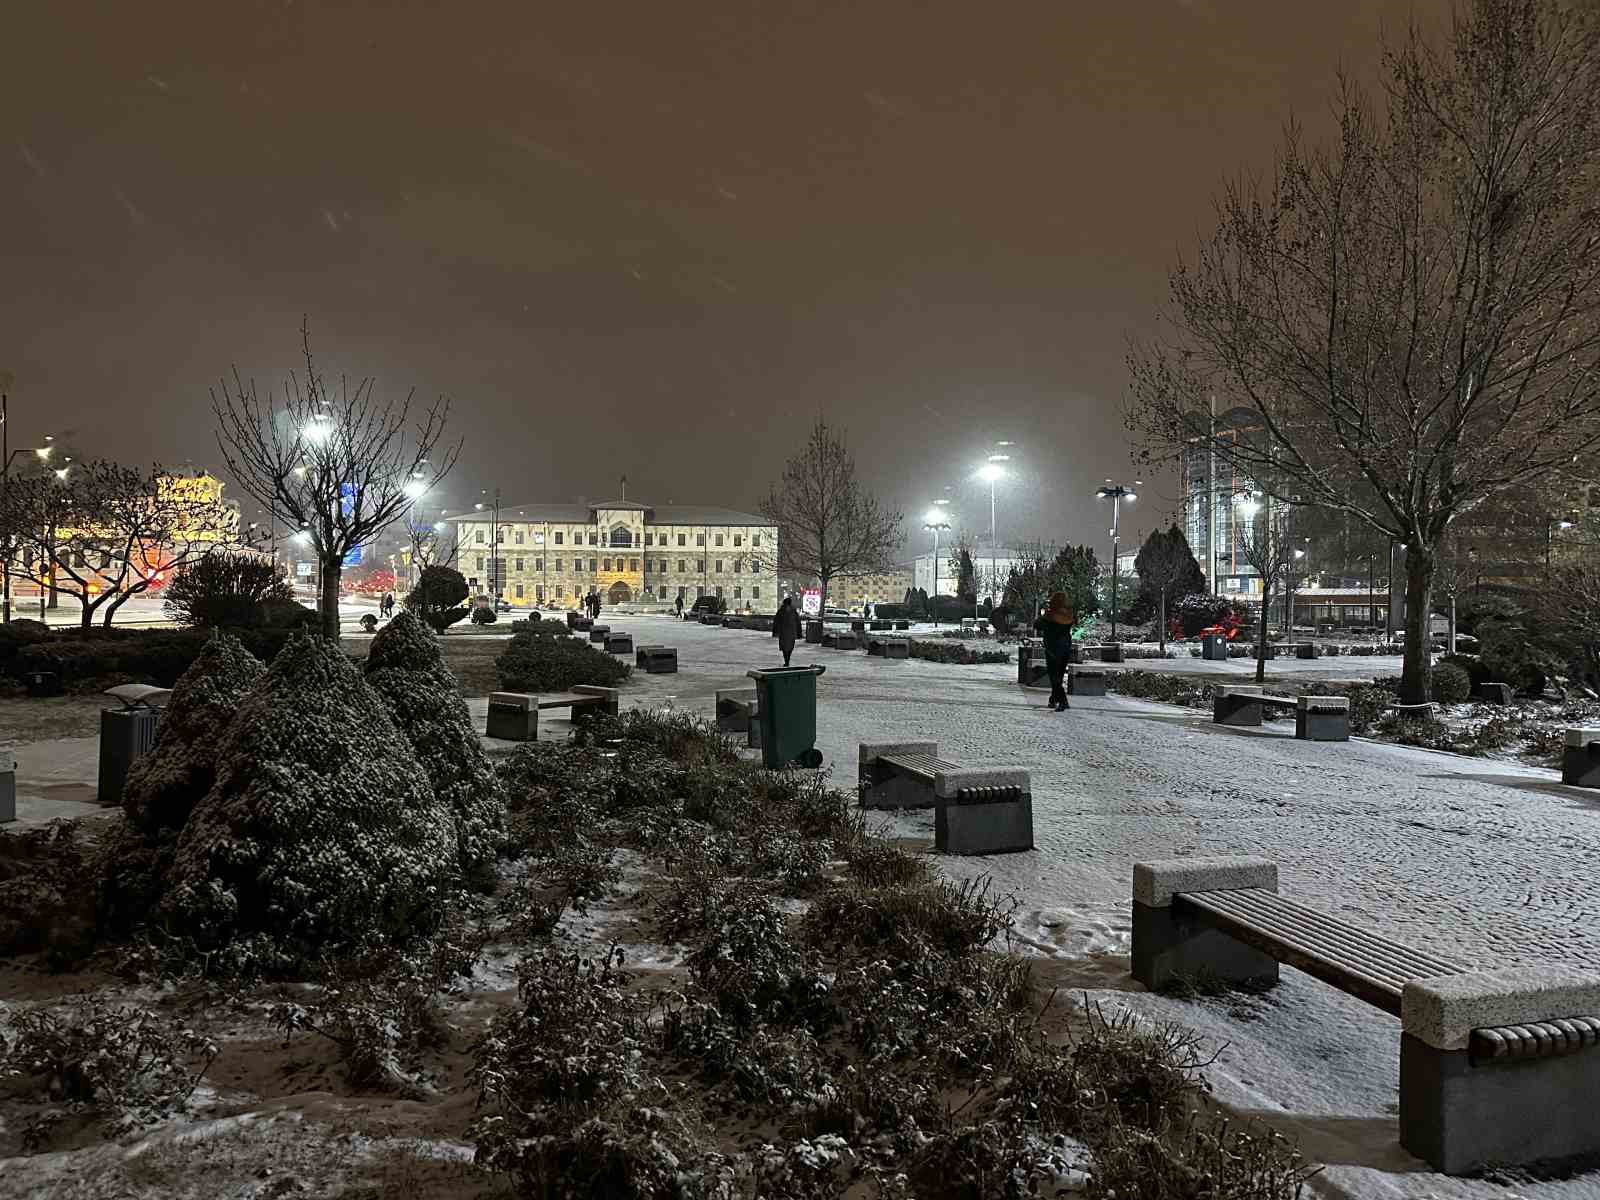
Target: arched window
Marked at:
620, 536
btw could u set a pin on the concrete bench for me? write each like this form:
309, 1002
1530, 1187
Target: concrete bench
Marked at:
1083, 682
656, 660
840, 639
1305, 650
1316, 718
739, 711
1580, 758
1032, 669
880, 646
1111, 652
573, 617
598, 633
514, 716
980, 810
1496, 693
902, 624
1495, 1066
619, 642
580, 624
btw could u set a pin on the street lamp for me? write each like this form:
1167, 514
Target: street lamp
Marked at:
992, 471
1116, 493
1550, 526
934, 522
6, 457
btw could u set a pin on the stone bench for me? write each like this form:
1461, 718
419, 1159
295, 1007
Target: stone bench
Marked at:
1032, 669
619, 643
880, 646
579, 624
1305, 650
1580, 758
1496, 1067
1316, 718
980, 810
1111, 652
656, 660
900, 623
739, 711
1084, 682
840, 639
1496, 693
514, 716
573, 617
598, 633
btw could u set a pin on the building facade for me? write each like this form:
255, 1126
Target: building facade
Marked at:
551, 555
885, 587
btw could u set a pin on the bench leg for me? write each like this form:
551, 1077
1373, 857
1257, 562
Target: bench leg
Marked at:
1000, 827
1171, 946
1458, 1117
1322, 727
882, 787
512, 725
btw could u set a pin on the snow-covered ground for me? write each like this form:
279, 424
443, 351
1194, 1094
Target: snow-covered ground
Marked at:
1483, 862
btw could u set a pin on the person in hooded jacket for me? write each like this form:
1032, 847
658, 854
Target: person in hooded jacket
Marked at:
1055, 627
786, 628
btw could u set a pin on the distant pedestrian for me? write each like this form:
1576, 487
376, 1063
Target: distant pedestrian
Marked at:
786, 628
677, 606
1055, 627
386, 607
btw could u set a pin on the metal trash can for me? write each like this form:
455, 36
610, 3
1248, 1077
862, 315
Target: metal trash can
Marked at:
43, 683
787, 701
8, 785
1214, 646
814, 632
127, 734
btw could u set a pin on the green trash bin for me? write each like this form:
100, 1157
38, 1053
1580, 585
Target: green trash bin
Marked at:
787, 698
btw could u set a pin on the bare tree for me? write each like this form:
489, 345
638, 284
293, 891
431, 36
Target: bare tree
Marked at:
104, 533
829, 526
1409, 320
338, 464
1267, 546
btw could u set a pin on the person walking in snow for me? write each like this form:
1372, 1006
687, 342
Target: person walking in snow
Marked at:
677, 606
1055, 627
786, 628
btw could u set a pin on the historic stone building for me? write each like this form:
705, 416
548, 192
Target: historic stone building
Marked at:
553, 554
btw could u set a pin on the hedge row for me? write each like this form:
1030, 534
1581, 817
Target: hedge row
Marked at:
107, 656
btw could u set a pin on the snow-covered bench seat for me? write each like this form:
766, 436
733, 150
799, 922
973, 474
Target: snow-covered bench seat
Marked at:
882, 646
977, 810
1495, 1066
1316, 718
514, 716
656, 660
1081, 681
1580, 758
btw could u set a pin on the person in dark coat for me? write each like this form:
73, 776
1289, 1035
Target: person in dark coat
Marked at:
677, 606
786, 628
1055, 627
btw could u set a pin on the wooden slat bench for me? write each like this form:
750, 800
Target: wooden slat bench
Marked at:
656, 660
1493, 1064
977, 810
884, 646
514, 716
1316, 718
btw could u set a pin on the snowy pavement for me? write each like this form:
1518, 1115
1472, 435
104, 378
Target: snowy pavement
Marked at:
1482, 862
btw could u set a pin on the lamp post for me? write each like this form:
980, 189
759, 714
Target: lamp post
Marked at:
935, 522
1116, 493
6, 456
992, 472
494, 542
1550, 526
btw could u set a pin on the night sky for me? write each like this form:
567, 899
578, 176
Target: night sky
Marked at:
648, 238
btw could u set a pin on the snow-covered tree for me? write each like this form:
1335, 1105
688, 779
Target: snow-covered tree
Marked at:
405, 668
321, 835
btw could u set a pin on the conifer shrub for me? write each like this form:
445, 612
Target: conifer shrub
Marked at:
1451, 684
407, 671
322, 834
554, 664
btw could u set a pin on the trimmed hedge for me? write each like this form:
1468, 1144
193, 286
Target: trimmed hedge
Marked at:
158, 656
537, 663
955, 652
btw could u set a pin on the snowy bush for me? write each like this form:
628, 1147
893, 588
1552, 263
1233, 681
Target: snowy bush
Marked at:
545, 664
406, 670
164, 785
44, 905
484, 615
95, 1058
1451, 684
955, 652
321, 834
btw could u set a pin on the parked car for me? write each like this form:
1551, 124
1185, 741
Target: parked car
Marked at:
708, 604
835, 614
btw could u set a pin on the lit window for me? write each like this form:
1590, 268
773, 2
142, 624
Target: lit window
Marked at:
633, 564
519, 591
608, 564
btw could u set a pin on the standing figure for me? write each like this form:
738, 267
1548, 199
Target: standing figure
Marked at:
1055, 627
786, 628
677, 606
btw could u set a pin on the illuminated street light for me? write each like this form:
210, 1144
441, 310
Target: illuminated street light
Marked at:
1116, 493
934, 522
416, 488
